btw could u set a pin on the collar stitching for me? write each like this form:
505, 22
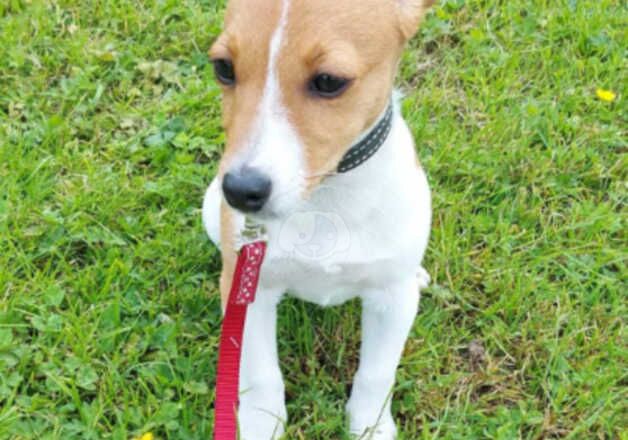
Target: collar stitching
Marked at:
367, 147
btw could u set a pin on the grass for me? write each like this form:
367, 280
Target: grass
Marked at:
109, 317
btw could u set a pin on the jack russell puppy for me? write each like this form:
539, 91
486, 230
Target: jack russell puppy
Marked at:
318, 153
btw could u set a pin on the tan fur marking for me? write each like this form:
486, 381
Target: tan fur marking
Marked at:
411, 13
323, 36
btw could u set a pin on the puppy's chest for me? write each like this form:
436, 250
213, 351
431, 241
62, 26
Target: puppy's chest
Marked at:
328, 282
322, 257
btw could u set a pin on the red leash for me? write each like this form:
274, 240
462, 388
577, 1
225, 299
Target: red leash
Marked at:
243, 288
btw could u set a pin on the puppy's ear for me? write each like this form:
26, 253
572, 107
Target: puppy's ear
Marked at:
411, 13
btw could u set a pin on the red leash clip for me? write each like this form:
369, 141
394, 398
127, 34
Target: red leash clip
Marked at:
243, 289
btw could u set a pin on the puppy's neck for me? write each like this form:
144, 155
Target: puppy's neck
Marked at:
380, 176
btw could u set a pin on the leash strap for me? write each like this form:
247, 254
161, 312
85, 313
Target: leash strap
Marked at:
243, 288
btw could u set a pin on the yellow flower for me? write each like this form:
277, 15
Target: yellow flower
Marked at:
147, 436
606, 95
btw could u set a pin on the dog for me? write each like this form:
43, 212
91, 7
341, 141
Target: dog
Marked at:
317, 152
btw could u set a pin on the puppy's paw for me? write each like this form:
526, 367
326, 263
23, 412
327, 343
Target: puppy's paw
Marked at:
424, 278
261, 423
369, 422
381, 431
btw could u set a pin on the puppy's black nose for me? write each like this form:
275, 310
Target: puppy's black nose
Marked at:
246, 189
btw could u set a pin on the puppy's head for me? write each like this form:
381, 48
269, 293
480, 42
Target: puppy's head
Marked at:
302, 80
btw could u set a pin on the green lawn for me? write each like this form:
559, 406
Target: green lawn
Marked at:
109, 317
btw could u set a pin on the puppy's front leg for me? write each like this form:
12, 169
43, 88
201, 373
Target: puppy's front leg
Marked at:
262, 412
387, 317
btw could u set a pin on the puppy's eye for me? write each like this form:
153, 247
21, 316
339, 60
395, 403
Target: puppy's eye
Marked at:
225, 72
328, 86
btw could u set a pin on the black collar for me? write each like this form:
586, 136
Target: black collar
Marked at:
363, 150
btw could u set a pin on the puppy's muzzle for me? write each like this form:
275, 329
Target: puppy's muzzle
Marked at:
246, 189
